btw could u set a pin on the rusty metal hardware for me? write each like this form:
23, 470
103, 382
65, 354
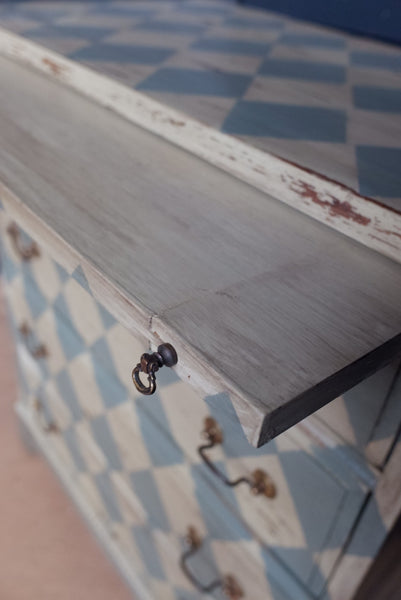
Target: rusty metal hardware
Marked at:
26, 253
38, 351
46, 425
260, 482
227, 583
149, 364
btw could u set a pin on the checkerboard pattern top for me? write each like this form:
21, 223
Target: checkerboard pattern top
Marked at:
330, 102
135, 458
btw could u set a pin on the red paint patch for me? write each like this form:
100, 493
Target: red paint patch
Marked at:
388, 232
54, 67
335, 206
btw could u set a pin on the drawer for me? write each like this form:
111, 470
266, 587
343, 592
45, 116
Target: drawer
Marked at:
60, 309
148, 511
320, 488
81, 468
50, 339
23, 254
144, 441
152, 443
367, 416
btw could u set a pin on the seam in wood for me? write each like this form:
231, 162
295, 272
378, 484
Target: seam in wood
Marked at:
396, 440
383, 409
344, 549
325, 544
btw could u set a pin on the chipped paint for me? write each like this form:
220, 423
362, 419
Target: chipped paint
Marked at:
316, 195
55, 68
336, 207
389, 232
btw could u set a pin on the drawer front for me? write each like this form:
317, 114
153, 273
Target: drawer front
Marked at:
151, 443
368, 415
44, 274
117, 445
147, 513
318, 494
147, 494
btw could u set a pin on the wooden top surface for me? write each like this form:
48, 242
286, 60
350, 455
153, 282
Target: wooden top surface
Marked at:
310, 94
279, 311
307, 114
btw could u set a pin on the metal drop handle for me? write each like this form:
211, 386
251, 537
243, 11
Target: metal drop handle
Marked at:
229, 585
260, 482
46, 425
38, 351
149, 364
26, 253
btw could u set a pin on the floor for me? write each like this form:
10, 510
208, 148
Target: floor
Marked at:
46, 551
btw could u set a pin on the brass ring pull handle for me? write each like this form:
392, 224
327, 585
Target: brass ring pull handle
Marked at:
149, 364
46, 425
39, 351
227, 583
259, 482
25, 252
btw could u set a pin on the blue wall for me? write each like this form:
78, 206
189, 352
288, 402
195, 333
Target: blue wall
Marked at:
375, 18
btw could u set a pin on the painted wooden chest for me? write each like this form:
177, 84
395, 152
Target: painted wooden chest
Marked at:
266, 463
151, 471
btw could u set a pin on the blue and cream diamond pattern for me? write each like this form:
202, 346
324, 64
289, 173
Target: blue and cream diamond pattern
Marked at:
135, 458
328, 101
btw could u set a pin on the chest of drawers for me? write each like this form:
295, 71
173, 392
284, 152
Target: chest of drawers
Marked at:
171, 484
137, 463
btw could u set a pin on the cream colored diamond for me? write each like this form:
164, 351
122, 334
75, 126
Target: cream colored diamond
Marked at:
84, 312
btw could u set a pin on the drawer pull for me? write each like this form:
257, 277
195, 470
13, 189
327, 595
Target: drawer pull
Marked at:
38, 351
25, 252
149, 364
227, 583
259, 481
46, 425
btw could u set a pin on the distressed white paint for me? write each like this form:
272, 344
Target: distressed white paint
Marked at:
327, 201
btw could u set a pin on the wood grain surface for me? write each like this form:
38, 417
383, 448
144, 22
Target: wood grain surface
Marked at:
267, 304
310, 189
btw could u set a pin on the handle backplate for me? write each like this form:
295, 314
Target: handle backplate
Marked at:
228, 583
259, 481
26, 253
38, 350
46, 425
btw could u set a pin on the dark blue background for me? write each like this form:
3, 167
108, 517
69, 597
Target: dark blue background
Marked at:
377, 18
